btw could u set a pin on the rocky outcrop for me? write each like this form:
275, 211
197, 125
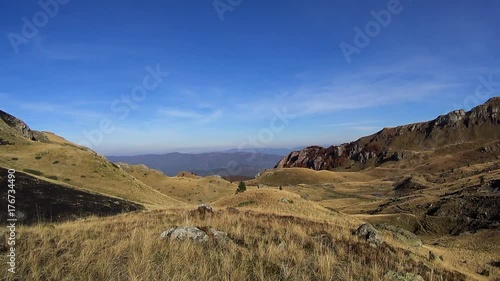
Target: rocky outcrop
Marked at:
185, 233
368, 232
396, 144
22, 128
196, 234
319, 158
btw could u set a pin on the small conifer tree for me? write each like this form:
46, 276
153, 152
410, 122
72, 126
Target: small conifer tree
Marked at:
241, 187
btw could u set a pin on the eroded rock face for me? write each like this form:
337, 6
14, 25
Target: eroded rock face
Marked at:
393, 144
450, 118
22, 128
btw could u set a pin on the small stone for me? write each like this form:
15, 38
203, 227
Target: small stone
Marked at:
284, 200
282, 246
485, 272
432, 256
402, 276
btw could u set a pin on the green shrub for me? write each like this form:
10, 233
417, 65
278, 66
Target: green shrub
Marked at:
241, 187
33, 172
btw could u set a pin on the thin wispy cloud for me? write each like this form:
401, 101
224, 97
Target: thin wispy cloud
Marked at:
200, 116
61, 109
358, 90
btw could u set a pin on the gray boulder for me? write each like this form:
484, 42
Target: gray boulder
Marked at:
219, 237
198, 235
183, 233
369, 233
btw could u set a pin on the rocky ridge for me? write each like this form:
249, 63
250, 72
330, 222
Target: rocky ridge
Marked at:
22, 128
395, 144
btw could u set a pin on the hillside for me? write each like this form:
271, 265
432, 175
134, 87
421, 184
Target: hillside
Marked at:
39, 200
53, 159
462, 133
184, 187
287, 240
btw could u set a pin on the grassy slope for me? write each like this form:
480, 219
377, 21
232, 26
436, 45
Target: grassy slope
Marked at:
128, 247
191, 189
63, 162
357, 193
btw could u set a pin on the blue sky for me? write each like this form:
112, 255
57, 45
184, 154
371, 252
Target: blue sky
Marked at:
228, 76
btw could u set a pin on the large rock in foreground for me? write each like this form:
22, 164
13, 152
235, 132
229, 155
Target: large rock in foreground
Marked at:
198, 235
368, 232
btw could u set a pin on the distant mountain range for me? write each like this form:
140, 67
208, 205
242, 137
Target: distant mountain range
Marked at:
225, 164
266, 150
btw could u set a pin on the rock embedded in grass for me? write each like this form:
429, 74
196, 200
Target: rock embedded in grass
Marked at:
185, 233
369, 233
200, 235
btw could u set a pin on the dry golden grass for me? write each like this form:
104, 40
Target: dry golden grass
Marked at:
128, 247
77, 167
470, 253
192, 190
293, 176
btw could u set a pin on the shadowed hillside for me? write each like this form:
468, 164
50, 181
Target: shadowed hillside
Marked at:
37, 201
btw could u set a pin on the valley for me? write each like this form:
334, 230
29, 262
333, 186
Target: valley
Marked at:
434, 205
